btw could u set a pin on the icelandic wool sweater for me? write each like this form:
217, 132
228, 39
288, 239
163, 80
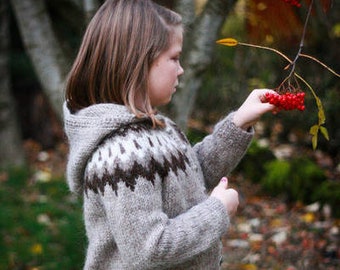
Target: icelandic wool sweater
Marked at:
145, 189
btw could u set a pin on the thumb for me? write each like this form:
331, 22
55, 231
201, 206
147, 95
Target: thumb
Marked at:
224, 182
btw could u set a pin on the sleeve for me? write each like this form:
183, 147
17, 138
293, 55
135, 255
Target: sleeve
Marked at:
221, 151
147, 238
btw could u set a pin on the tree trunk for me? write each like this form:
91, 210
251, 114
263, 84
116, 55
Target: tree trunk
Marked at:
90, 7
43, 48
199, 42
11, 151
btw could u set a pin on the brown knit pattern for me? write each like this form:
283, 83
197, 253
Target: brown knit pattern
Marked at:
145, 169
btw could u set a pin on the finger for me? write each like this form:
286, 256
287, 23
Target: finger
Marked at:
266, 107
224, 182
263, 91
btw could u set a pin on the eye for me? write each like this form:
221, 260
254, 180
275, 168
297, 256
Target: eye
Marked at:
176, 57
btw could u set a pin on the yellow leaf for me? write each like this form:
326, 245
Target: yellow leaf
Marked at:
308, 217
314, 130
43, 176
321, 113
227, 41
336, 30
36, 249
277, 222
249, 266
315, 141
324, 133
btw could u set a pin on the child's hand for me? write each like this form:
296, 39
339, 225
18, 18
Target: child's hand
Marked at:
228, 196
252, 108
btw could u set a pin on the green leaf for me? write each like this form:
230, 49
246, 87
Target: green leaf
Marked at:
324, 132
314, 130
321, 113
315, 141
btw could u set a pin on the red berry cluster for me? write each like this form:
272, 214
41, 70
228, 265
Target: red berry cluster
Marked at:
287, 101
293, 2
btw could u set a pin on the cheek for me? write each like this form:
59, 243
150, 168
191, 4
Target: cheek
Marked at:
156, 81
163, 76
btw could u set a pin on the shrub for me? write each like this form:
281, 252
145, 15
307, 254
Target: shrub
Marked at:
252, 165
298, 179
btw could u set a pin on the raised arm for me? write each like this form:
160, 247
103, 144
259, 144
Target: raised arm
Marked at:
222, 150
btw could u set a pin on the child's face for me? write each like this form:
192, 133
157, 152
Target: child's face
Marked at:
165, 70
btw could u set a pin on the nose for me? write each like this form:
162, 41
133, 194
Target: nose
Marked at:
180, 70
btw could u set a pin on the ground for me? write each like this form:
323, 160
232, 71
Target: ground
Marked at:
268, 233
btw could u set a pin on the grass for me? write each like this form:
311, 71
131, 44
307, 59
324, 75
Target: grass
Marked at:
41, 224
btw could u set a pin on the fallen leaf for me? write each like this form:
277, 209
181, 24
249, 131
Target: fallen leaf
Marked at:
36, 249
308, 217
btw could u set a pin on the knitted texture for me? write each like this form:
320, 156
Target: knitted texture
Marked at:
145, 189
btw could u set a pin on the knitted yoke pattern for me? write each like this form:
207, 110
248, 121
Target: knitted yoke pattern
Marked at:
145, 189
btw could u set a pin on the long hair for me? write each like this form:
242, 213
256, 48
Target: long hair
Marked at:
119, 46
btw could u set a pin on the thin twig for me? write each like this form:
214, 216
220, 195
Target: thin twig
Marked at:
293, 64
266, 48
319, 62
288, 59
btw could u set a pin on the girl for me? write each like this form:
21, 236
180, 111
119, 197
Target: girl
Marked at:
146, 204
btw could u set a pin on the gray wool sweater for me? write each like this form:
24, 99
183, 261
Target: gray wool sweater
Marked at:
145, 189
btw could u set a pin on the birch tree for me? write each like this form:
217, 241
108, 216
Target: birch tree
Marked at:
201, 33
43, 48
12, 153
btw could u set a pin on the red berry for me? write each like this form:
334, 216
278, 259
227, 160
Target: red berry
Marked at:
287, 101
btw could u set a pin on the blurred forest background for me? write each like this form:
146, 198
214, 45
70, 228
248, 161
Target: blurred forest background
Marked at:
281, 179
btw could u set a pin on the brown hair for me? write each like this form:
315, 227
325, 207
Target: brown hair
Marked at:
119, 46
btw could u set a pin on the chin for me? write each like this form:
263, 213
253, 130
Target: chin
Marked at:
167, 102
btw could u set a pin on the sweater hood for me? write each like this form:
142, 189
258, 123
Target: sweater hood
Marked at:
85, 130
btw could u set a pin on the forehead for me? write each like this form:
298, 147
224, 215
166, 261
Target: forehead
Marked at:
177, 34
176, 39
